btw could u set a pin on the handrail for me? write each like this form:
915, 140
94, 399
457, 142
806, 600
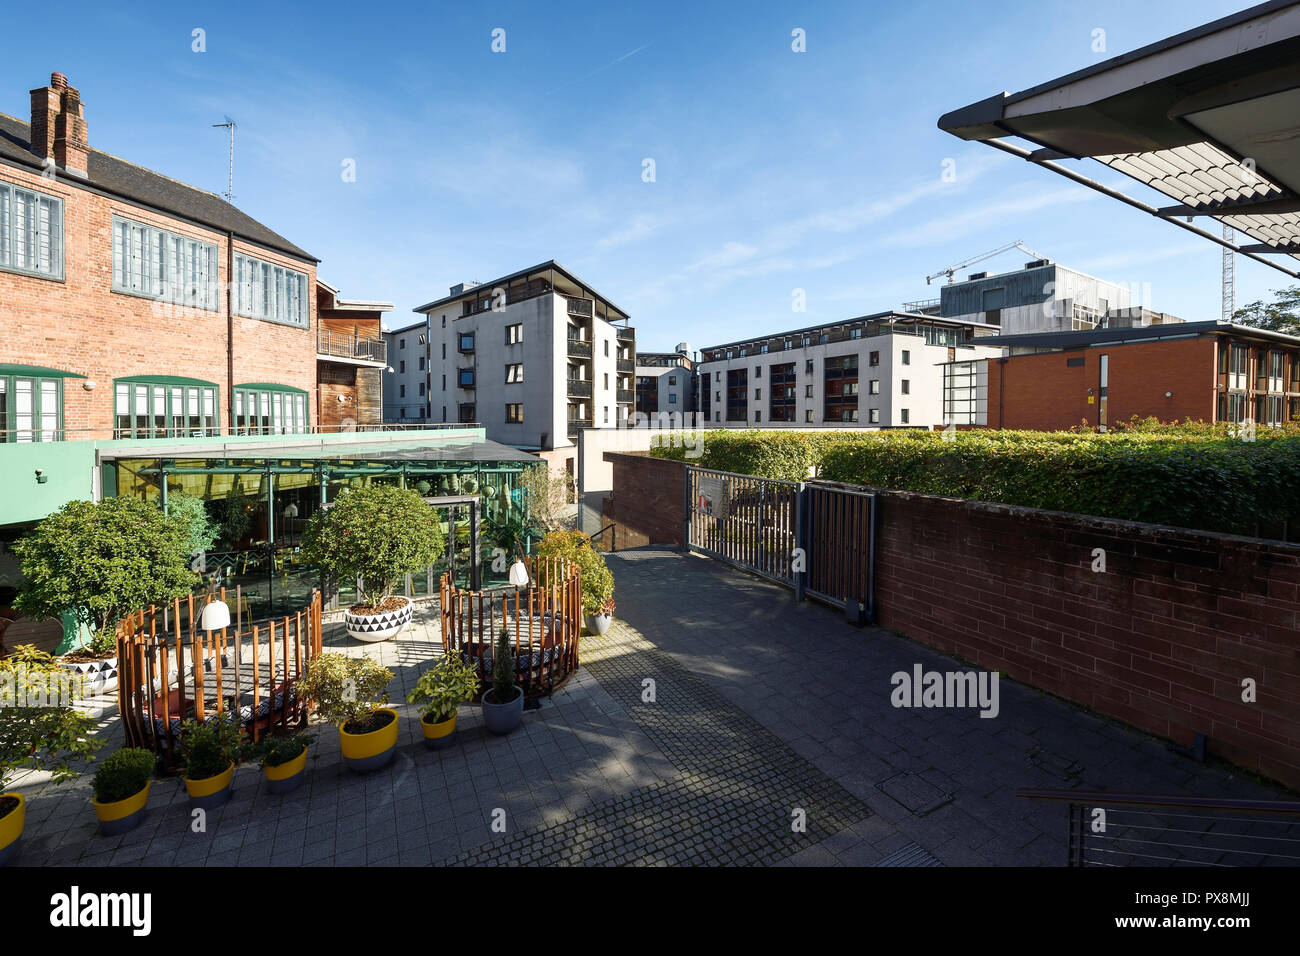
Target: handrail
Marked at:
1102, 797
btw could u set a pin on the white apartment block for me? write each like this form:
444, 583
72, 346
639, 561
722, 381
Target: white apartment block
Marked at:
533, 357
406, 380
664, 383
883, 370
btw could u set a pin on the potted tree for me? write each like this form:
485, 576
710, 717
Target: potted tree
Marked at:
99, 562
575, 547
284, 760
503, 703
442, 689
209, 750
350, 692
376, 535
35, 735
122, 783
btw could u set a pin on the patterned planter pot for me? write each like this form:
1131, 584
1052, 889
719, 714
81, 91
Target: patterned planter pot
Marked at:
100, 676
379, 627
11, 828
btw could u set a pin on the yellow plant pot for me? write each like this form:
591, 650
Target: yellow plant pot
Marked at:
11, 828
285, 776
121, 815
365, 752
210, 792
439, 735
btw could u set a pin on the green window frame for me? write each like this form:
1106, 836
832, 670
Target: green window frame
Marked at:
31, 403
272, 293
267, 408
159, 264
31, 232
165, 406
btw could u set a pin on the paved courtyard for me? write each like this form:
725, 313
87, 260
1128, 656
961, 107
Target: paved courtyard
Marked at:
718, 723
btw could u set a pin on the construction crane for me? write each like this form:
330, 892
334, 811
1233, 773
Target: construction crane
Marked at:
1229, 307
988, 255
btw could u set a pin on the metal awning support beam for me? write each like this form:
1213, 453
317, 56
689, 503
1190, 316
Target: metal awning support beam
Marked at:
1082, 180
1245, 207
1290, 249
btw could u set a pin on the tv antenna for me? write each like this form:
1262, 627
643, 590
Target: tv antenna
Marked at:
229, 125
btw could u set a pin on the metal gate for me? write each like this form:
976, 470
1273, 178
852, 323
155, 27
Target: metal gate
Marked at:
817, 537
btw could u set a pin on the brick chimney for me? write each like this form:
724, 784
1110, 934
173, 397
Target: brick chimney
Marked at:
58, 129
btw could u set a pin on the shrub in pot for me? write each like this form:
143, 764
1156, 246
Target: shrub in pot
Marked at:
350, 692
378, 534
599, 623
442, 689
100, 561
503, 704
284, 761
597, 580
122, 783
34, 735
209, 750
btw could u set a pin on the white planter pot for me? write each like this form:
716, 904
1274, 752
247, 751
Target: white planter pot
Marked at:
599, 623
379, 627
100, 677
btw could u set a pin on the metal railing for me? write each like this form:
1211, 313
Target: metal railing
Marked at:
576, 423
625, 334
581, 307
29, 435
579, 348
1136, 829
625, 365
579, 388
625, 396
348, 345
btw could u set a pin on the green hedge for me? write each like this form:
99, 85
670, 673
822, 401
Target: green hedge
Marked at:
1190, 476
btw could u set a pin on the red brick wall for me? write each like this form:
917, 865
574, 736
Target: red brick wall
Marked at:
648, 501
1162, 639
81, 325
1042, 392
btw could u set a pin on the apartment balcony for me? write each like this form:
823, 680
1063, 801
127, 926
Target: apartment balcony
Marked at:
350, 348
626, 365
578, 348
576, 424
625, 334
626, 396
579, 389
583, 308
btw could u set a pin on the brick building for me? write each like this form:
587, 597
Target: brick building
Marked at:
1206, 371
351, 359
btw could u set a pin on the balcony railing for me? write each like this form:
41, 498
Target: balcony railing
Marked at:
579, 349
625, 335
582, 307
577, 423
350, 346
625, 365
579, 388
625, 395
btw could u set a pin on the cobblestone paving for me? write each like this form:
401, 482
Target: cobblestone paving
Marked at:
738, 797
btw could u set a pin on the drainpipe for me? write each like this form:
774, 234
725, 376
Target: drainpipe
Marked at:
230, 330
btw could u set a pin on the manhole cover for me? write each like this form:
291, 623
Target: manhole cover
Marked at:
913, 791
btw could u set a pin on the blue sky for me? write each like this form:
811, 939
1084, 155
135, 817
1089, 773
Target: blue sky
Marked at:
774, 170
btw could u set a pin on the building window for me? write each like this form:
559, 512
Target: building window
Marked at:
907, 357
444, 411
31, 408
807, 415
758, 416
465, 414
466, 342
672, 379
401, 366
808, 390
606, 414
737, 395
31, 232
873, 416
788, 344
758, 371
907, 386
841, 392
514, 333
164, 407
873, 387
421, 388
855, 333
514, 373
401, 343
262, 409
163, 265
781, 393
1239, 360
444, 381
271, 293
606, 380
762, 349
672, 398
467, 378
808, 367
401, 391
873, 359
905, 416
421, 363
514, 413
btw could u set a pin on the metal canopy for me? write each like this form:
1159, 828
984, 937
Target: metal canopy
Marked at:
1209, 118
